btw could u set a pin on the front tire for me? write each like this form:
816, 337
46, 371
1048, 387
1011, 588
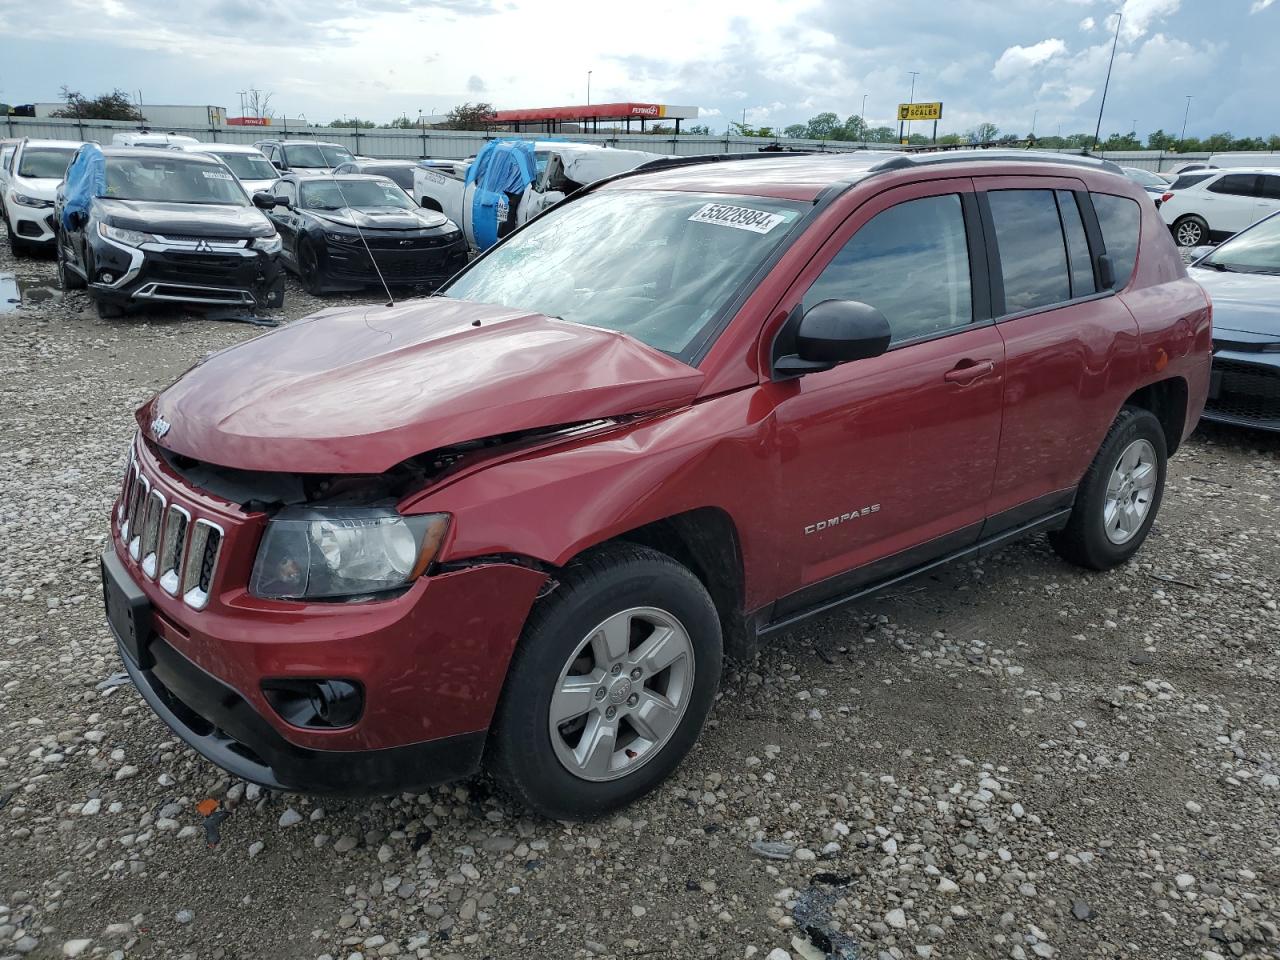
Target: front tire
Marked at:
108, 311
608, 689
1190, 231
1119, 496
309, 269
17, 245
68, 279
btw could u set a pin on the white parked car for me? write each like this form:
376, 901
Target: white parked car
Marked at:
1210, 205
250, 165
161, 140
28, 184
559, 168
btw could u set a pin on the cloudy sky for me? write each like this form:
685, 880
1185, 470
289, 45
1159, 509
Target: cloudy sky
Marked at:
989, 60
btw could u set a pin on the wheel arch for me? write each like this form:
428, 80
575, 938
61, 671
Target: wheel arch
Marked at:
1167, 399
705, 540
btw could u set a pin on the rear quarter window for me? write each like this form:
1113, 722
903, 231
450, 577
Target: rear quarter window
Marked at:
1120, 219
1184, 180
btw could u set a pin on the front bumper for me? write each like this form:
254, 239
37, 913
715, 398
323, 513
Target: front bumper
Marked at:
431, 663
423, 262
1244, 389
32, 225
180, 273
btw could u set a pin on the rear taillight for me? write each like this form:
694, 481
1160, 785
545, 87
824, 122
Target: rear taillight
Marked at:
1166, 196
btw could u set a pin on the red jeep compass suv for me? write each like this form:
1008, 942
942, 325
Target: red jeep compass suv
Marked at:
520, 523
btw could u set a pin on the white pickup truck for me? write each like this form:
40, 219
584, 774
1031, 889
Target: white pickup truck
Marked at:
561, 168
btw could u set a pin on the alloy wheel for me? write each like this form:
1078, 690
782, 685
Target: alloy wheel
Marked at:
1130, 492
622, 694
1189, 234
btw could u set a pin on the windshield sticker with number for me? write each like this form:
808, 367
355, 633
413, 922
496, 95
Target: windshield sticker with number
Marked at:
215, 175
740, 218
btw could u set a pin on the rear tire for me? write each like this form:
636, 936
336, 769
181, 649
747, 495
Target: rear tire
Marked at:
1120, 494
1190, 231
609, 686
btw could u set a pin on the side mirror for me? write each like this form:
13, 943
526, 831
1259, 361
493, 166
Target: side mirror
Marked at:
1199, 252
282, 201
830, 333
264, 201
1106, 272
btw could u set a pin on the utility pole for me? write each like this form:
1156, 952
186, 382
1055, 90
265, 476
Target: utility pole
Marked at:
864, 118
1107, 83
1186, 113
588, 88
911, 99
1035, 113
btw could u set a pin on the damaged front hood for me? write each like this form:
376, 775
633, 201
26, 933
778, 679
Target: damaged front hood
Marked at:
382, 218
358, 390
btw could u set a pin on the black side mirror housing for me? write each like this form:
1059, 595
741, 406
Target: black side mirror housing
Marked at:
828, 334
264, 201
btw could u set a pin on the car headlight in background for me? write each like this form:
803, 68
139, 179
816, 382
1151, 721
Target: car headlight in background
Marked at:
26, 201
269, 244
315, 553
341, 237
130, 238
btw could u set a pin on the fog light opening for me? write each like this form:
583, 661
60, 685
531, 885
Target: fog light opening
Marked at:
317, 704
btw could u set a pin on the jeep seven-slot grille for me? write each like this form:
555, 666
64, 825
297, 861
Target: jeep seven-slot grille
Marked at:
167, 542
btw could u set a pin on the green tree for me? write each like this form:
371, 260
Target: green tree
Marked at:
1159, 140
403, 122
1121, 141
984, 132
822, 126
1218, 142
469, 116
1273, 142
115, 105
950, 139
882, 135
697, 130
855, 128
351, 122
797, 130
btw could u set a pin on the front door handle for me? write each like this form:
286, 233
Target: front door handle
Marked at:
967, 371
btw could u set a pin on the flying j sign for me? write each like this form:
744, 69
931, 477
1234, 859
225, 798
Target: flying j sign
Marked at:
919, 111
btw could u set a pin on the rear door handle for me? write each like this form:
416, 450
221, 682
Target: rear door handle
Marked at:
967, 371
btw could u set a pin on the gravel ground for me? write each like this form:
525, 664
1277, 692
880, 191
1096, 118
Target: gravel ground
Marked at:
1011, 759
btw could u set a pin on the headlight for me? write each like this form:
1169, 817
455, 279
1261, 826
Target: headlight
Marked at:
315, 553
269, 244
341, 237
27, 201
130, 238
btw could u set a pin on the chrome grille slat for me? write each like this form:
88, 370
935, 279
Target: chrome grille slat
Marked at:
203, 553
172, 548
150, 546
141, 490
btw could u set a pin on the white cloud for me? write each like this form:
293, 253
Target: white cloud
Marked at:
1087, 24
1141, 15
1260, 5
1017, 60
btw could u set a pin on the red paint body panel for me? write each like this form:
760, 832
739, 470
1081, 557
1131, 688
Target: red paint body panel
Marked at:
360, 390
357, 391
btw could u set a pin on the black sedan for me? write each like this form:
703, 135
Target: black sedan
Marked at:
137, 225
1242, 277
353, 231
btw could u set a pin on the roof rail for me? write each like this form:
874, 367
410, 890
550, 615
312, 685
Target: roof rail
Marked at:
906, 161
666, 163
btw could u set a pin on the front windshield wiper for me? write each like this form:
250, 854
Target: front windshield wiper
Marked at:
1220, 267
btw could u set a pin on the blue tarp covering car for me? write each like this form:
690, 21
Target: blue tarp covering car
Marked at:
86, 178
501, 167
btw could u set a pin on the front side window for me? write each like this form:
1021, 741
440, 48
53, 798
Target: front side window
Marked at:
1033, 256
1270, 186
1120, 219
48, 163
1082, 282
334, 155
658, 266
1184, 180
284, 188
166, 178
910, 262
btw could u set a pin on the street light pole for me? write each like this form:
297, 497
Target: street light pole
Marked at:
911, 99
588, 88
864, 118
1035, 113
1185, 114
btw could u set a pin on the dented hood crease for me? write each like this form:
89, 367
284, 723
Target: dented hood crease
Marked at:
360, 390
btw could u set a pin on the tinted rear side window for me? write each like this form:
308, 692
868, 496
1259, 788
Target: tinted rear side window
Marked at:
1082, 283
1271, 187
1120, 219
1033, 257
1184, 180
1237, 184
910, 262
